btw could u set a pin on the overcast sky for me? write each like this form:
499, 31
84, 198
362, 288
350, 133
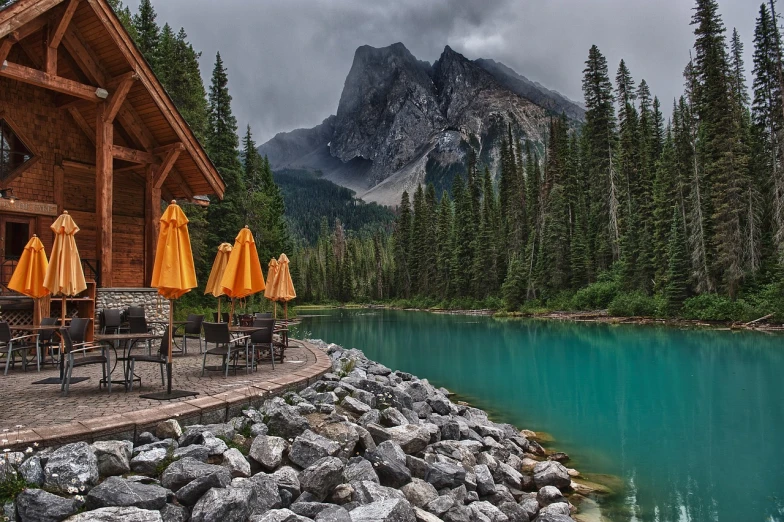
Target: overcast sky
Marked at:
287, 60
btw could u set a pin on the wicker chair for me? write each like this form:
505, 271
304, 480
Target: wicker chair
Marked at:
226, 346
159, 358
192, 330
72, 362
10, 345
261, 340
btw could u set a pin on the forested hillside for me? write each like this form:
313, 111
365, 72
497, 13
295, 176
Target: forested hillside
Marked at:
683, 217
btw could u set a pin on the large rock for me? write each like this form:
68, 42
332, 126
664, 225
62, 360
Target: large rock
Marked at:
116, 491
310, 447
489, 511
513, 512
411, 438
322, 476
191, 492
366, 492
287, 479
32, 472
166, 444
355, 406
268, 451
37, 505
389, 462
266, 492
194, 451
551, 473
277, 515
224, 505
549, 495
419, 493
423, 516
116, 514
553, 517
484, 480
181, 472
393, 510
114, 456
168, 429
334, 514
284, 421
148, 462
445, 475
236, 463
72, 468
556, 508
345, 434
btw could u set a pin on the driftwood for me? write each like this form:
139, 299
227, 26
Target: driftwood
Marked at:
755, 321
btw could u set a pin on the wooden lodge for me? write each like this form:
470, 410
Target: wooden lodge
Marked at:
86, 127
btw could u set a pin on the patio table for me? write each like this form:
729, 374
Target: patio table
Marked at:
127, 340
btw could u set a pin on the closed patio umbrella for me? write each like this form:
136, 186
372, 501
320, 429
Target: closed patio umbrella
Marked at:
29, 274
284, 286
64, 274
269, 292
243, 276
216, 274
174, 275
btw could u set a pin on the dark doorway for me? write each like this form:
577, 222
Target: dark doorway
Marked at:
16, 236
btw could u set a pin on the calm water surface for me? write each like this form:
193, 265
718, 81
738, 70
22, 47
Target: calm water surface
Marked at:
692, 421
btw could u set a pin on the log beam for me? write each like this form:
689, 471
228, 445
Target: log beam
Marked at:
163, 169
117, 98
104, 180
152, 219
82, 124
134, 155
5, 47
52, 82
57, 34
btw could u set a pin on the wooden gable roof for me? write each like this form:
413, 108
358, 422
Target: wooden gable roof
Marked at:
80, 50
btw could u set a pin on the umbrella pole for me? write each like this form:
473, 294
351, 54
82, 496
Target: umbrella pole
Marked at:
171, 338
219, 310
274, 309
62, 343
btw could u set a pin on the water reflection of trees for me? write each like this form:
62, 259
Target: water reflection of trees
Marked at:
693, 415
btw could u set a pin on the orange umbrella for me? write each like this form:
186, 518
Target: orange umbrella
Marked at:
174, 275
243, 276
216, 274
269, 292
284, 286
28, 276
64, 275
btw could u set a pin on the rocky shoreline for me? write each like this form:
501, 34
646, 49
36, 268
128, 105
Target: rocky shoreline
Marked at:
362, 444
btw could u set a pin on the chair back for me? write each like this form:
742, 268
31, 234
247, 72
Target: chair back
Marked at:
246, 320
216, 333
5, 332
68, 342
137, 325
45, 335
163, 351
264, 334
78, 329
136, 311
193, 324
111, 318
262, 315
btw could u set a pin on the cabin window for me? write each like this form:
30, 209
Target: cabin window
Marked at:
13, 152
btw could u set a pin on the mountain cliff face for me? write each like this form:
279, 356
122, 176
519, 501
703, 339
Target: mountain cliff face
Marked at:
401, 122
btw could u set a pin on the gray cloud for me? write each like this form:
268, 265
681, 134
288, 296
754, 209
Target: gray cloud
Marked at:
287, 60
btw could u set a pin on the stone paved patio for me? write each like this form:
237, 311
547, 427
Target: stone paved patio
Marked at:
44, 414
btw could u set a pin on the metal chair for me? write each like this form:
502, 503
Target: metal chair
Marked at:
70, 348
47, 340
78, 329
10, 345
160, 358
135, 311
138, 325
261, 339
192, 329
111, 321
225, 346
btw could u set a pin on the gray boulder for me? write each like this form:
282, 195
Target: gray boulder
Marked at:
309, 509
116, 491
277, 515
389, 462
334, 514
445, 475
310, 447
191, 492
224, 505
288, 480
268, 451
172, 513
556, 508
322, 476
181, 472
355, 406
419, 493
284, 421
393, 510
549, 495
214, 445
165, 444
367, 492
489, 511
359, 469
530, 506
73, 466
551, 473
514, 512
114, 456
194, 451
168, 429
37, 505
147, 462
553, 517
412, 438
484, 480
32, 472
392, 417
236, 463
266, 492
114, 514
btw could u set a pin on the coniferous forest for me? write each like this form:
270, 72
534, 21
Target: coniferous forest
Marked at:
643, 209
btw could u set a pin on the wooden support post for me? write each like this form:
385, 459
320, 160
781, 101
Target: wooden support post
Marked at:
6, 44
152, 220
104, 179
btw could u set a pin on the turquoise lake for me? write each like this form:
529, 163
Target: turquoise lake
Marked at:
691, 420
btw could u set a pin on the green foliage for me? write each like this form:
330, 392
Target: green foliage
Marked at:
633, 304
346, 367
713, 307
596, 296
162, 465
11, 487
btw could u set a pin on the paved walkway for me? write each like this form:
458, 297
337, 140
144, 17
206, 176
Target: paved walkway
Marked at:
38, 413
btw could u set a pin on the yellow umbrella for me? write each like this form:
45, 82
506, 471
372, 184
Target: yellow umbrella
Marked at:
28, 276
243, 276
284, 286
269, 292
64, 275
174, 275
216, 274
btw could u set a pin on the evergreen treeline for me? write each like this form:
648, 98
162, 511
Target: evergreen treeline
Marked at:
683, 217
251, 198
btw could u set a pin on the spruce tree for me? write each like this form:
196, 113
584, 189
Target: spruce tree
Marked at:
147, 33
444, 245
677, 289
401, 239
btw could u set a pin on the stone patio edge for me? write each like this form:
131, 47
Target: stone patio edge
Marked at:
207, 409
